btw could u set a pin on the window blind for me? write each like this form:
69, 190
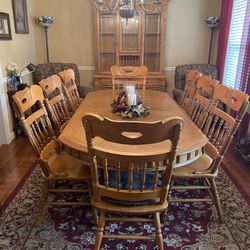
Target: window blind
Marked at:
236, 47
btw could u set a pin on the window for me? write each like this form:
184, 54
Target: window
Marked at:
235, 46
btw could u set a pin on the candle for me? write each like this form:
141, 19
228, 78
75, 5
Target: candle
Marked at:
131, 99
130, 89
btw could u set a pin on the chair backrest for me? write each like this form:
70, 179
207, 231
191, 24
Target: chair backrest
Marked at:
221, 126
50, 85
114, 174
190, 87
37, 125
206, 86
70, 88
52, 88
129, 74
202, 99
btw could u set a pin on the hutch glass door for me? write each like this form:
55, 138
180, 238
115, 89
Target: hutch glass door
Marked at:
129, 42
107, 41
152, 42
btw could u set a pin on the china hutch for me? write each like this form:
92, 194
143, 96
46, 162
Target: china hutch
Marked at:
130, 42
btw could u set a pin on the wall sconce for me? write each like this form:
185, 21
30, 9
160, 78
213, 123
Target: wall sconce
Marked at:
46, 21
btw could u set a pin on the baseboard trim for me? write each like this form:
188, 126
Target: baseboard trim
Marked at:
86, 68
11, 136
169, 68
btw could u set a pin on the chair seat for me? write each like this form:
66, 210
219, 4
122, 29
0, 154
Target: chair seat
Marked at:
199, 165
131, 210
66, 167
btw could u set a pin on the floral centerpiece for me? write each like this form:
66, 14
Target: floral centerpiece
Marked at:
12, 70
123, 107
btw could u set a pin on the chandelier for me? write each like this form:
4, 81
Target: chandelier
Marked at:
127, 8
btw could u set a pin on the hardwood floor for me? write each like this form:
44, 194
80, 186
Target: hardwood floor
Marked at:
238, 170
17, 159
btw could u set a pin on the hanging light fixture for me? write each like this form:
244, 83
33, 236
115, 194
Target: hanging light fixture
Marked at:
127, 8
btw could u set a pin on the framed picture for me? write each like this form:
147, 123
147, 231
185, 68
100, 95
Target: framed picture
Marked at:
20, 16
5, 32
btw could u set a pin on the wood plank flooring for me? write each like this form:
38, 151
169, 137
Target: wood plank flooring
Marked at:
238, 170
17, 158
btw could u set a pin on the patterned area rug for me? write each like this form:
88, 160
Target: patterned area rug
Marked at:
188, 226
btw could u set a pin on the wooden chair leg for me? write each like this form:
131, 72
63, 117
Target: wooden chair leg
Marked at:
95, 215
216, 200
157, 223
100, 228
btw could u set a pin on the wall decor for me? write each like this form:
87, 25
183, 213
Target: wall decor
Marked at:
5, 31
20, 16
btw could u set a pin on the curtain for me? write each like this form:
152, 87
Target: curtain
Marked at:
226, 11
243, 70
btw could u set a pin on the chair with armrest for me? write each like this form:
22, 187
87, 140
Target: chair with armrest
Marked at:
55, 102
199, 105
128, 183
129, 74
55, 164
45, 70
70, 88
190, 88
220, 128
180, 76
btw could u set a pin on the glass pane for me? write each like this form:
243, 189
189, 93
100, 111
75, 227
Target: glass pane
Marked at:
107, 41
152, 41
129, 34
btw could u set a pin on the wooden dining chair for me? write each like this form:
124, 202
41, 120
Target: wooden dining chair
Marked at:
198, 108
55, 164
190, 88
128, 183
70, 88
122, 75
55, 102
220, 128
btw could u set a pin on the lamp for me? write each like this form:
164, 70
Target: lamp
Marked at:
46, 21
31, 67
213, 23
127, 8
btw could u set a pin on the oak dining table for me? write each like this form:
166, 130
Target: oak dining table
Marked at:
160, 105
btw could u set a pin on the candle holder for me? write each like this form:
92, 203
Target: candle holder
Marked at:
129, 106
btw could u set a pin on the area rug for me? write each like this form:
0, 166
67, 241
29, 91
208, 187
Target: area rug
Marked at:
188, 226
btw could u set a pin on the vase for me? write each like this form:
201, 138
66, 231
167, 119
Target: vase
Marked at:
12, 79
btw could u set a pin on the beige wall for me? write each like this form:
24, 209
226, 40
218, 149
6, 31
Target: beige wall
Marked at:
70, 36
21, 49
187, 35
